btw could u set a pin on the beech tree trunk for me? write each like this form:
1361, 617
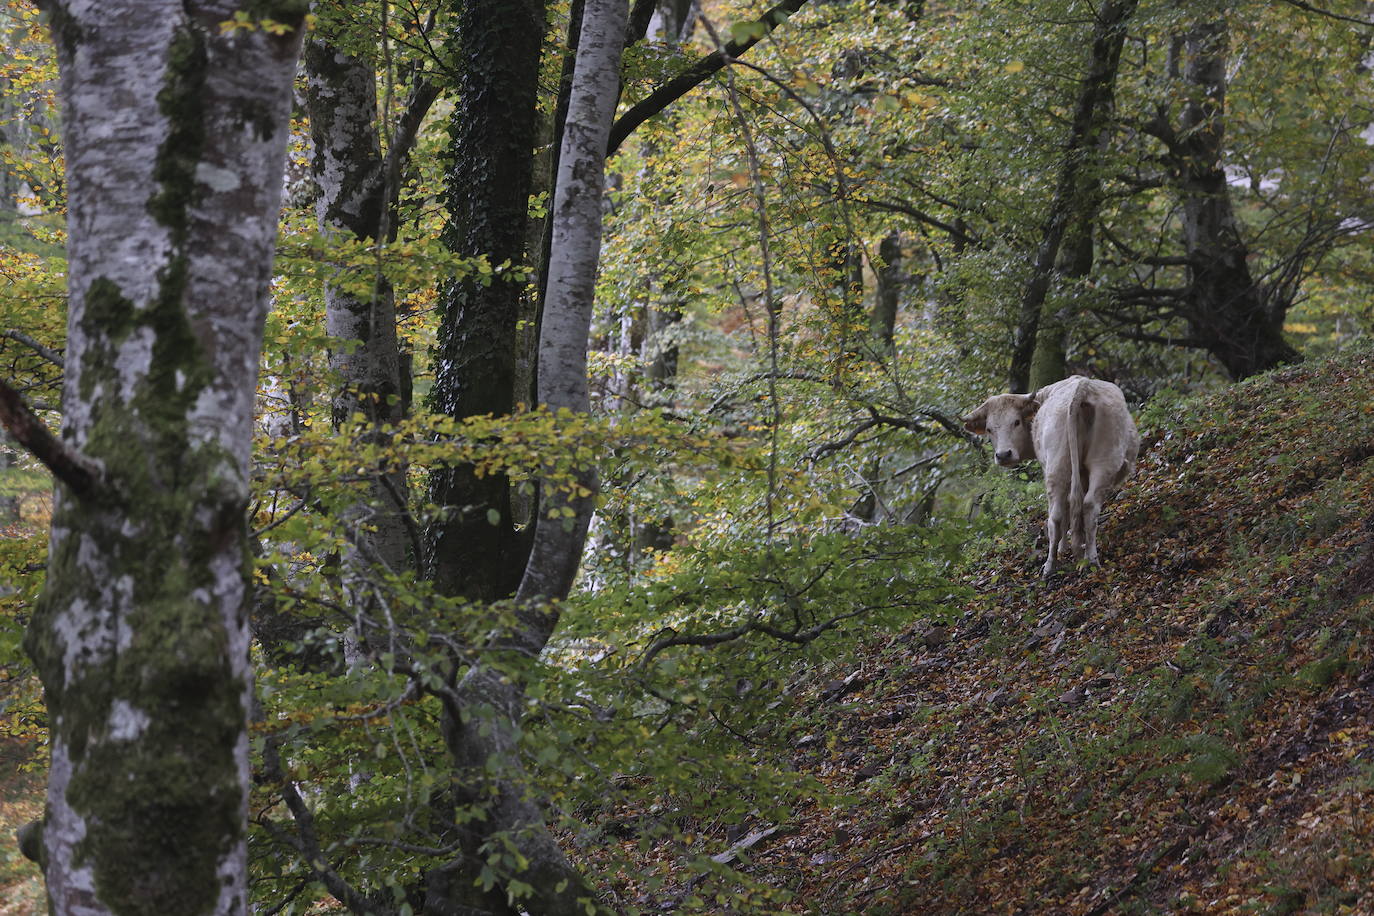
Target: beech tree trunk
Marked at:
356, 199
576, 250
483, 739
174, 134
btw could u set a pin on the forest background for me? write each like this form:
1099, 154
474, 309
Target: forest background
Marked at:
828, 229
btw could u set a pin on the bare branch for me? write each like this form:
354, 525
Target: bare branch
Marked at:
695, 75
876, 419
77, 471
1309, 8
906, 209
407, 130
669, 638
795, 375
47, 353
306, 842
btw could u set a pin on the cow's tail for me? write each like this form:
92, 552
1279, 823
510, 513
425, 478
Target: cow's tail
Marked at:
1077, 485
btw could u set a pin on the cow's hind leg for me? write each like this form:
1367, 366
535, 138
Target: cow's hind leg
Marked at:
1092, 510
1057, 528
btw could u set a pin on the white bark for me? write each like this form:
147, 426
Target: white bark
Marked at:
174, 136
573, 260
354, 201
491, 700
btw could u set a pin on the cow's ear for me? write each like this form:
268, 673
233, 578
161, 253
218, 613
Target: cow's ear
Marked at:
1029, 406
977, 422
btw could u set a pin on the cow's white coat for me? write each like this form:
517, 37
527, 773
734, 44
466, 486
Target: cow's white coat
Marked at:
1082, 432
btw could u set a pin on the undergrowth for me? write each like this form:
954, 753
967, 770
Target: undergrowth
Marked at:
1189, 729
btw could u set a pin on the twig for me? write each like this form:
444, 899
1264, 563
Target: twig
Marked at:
695, 75
1307, 7
1149, 865
669, 638
306, 842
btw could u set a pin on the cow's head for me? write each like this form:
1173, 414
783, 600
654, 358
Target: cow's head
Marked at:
1006, 420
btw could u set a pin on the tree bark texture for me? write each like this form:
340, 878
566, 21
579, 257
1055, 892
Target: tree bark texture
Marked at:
483, 737
1074, 194
887, 299
174, 136
1050, 363
1230, 313
493, 132
356, 200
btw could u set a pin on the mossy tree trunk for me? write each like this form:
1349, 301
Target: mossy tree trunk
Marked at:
175, 136
1075, 189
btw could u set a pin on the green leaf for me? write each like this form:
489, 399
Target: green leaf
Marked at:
744, 32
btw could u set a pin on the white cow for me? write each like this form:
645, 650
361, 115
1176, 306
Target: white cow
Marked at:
1086, 441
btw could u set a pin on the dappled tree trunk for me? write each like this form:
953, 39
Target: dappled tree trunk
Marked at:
1074, 195
174, 134
356, 200
557, 548
1228, 312
475, 550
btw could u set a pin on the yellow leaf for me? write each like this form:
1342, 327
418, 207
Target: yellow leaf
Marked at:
1015, 66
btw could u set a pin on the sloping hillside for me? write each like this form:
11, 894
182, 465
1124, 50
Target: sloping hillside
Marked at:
1188, 730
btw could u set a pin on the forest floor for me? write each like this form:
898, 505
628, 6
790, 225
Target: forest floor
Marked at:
1188, 729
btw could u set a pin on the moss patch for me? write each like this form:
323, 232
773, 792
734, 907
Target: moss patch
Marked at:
152, 728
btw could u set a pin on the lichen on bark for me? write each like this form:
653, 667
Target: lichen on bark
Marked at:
140, 636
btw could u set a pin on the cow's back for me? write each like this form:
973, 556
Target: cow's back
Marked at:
1114, 441
1106, 437
1050, 428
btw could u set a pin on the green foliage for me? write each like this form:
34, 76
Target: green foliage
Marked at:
660, 715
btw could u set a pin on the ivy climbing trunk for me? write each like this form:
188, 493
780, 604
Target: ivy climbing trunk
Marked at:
475, 549
483, 739
174, 135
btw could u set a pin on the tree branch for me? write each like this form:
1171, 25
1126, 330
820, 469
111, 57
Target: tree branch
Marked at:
695, 75
47, 353
952, 231
1309, 8
421, 99
876, 419
669, 638
641, 14
79, 473
307, 844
